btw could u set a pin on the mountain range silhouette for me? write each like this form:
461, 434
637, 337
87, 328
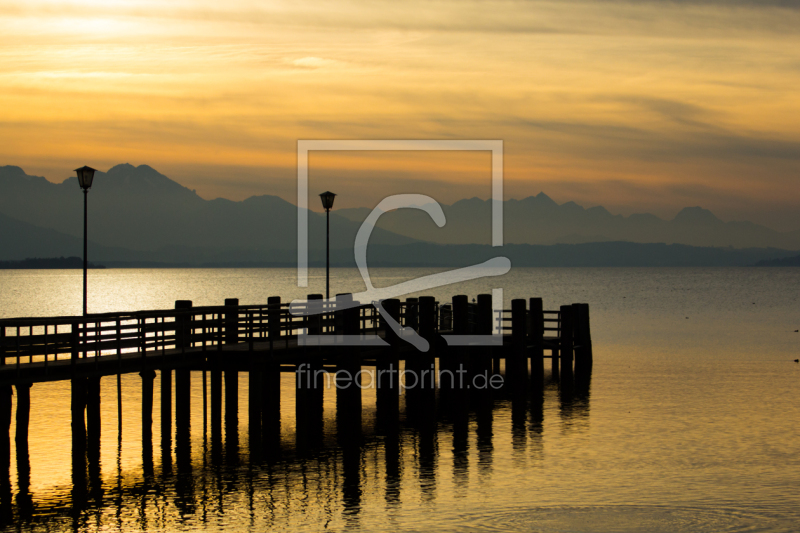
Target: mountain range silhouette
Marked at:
137, 214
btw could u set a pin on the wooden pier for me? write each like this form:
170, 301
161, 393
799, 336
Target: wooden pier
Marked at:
265, 340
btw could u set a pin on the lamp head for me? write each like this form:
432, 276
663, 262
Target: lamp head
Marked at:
327, 200
85, 177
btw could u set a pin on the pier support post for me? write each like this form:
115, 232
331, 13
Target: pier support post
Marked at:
215, 377
183, 333
348, 368
231, 320
310, 380
254, 393
583, 336
536, 332
24, 498
488, 358
232, 385
271, 379
423, 365
517, 370
412, 313
274, 316
567, 331
166, 409
183, 401
23, 414
93, 421
456, 359
231, 404
148, 376
78, 406
387, 370
5, 451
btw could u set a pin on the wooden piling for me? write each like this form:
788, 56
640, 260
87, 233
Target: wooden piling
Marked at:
567, 338
23, 413
5, 427
424, 363
460, 314
536, 339
484, 320
231, 321
274, 326
166, 407
454, 359
583, 335
231, 399
215, 378
271, 378
412, 313
78, 406
119, 406
487, 359
310, 375
387, 370
93, 422
254, 393
517, 364
148, 376
348, 379
183, 399
183, 325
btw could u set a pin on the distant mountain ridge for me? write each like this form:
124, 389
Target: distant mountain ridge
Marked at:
137, 208
540, 220
137, 214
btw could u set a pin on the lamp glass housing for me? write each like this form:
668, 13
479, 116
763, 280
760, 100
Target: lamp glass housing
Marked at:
327, 200
85, 177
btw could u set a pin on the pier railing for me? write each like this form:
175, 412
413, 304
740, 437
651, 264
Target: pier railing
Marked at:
191, 329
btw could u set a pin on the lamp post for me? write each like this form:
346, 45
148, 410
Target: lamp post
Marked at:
85, 177
327, 203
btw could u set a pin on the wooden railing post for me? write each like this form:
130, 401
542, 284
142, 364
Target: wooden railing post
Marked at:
427, 317
314, 319
183, 333
412, 313
231, 334
339, 315
75, 341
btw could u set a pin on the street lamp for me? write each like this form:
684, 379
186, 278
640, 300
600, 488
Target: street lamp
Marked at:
327, 204
85, 178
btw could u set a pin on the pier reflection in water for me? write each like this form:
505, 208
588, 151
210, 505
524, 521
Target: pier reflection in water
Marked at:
325, 469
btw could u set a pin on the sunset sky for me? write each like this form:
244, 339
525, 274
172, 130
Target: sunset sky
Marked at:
637, 106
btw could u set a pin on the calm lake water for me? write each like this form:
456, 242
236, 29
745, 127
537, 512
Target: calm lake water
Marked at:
690, 422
